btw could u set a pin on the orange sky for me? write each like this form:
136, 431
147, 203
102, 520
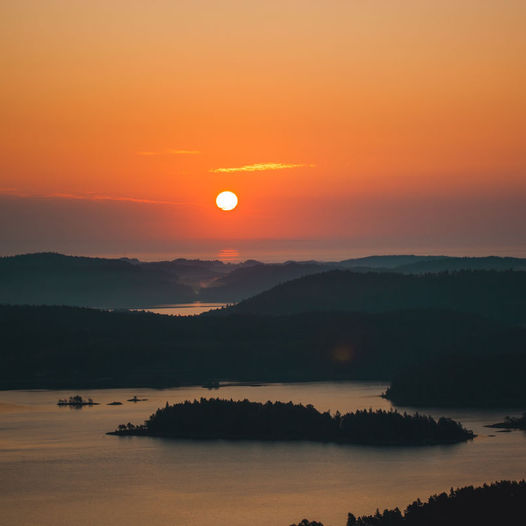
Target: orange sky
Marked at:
360, 110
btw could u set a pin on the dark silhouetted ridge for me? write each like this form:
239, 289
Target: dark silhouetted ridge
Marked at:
67, 347
55, 279
499, 295
500, 503
464, 379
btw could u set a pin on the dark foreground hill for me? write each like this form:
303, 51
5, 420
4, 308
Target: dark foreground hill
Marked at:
498, 295
245, 420
500, 503
72, 347
464, 379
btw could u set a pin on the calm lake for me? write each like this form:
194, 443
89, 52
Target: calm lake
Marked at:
58, 468
184, 309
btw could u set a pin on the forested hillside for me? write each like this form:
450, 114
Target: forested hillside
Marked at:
497, 295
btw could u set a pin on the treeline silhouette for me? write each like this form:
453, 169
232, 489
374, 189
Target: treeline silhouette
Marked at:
500, 503
78, 348
63, 347
463, 379
76, 400
228, 419
496, 295
511, 422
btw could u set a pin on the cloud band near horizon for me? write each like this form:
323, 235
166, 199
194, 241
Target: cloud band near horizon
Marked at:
13, 192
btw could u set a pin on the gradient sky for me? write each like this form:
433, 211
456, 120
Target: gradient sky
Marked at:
355, 125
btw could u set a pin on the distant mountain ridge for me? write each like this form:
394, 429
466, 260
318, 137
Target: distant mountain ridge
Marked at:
443, 264
51, 278
247, 281
55, 279
386, 262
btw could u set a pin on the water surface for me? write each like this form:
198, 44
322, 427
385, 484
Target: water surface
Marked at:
184, 309
60, 469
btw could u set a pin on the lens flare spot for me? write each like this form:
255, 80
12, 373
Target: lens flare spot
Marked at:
342, 354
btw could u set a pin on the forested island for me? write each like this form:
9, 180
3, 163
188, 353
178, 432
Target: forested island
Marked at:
500, 503
228, 419
511, 422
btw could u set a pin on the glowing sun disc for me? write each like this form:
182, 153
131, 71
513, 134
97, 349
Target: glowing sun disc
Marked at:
226, 200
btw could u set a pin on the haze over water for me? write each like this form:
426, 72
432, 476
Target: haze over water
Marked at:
59, 468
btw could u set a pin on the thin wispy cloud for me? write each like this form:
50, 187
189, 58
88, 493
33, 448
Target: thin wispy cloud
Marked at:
171, 151
102, 197
260, 167
183, 152
87, 197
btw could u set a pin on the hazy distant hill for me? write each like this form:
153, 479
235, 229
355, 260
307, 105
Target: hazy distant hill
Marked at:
500, 295
242, 283
421, 264
69, 347
55, 279
250, 280
196, 273
49, 278
442, 264
386, 262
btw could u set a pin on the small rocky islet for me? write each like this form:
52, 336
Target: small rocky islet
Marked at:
510, 422
76, 401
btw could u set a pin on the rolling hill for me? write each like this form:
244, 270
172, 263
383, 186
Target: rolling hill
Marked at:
498, 295
55, 279
76, 347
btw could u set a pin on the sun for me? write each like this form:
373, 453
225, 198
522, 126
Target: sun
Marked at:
226, 200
